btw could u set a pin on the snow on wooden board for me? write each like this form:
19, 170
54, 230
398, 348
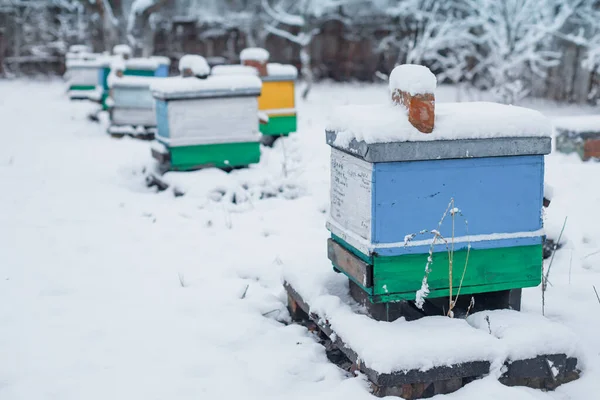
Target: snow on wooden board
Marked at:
179, 87
413, 79
581, 123
526, 335
386, 123
388, 347
254, 53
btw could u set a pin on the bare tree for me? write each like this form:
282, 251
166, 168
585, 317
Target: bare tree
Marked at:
139, 32
296, 22
513, 41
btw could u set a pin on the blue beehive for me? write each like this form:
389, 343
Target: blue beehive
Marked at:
391, 184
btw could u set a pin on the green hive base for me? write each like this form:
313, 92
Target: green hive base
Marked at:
222, 155
82, 87
400, 277
279, 125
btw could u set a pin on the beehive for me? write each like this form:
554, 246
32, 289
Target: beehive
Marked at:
81, 74
277, 99
155, 66
132, 104
391, 184
207, 122
579, 135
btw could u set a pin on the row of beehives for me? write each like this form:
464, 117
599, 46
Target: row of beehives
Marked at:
405, 176
203, 117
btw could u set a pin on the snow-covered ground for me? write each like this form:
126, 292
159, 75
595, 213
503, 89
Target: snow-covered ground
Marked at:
110, 290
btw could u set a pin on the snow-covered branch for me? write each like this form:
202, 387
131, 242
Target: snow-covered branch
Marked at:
281, 16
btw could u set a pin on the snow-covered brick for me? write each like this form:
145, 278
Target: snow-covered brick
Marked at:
470, 120
255, 54
257, 58
234, 70
122, 50
413, 86
282, 71
179, 87
195, 65
526, 335
413, 79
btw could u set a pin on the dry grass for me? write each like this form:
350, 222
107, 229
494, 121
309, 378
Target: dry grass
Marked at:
449, 243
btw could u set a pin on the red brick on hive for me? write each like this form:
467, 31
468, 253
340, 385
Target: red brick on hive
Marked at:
257, 58
419, 105
591, 149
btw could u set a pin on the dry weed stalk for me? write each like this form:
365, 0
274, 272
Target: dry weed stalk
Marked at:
437, 236
545, 277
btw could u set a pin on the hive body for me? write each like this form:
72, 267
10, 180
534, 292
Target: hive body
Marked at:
211, 127
151, 67
387, 200
132, 106
277, 100
82, 78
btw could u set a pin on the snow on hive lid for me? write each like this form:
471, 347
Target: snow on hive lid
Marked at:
214, 86
234, 70
526, 335
361, 129
130, 81
162, 60
383, 123
146, 64
197, 64
578, 124
255, 54
122, 49
413, 79
281, 72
